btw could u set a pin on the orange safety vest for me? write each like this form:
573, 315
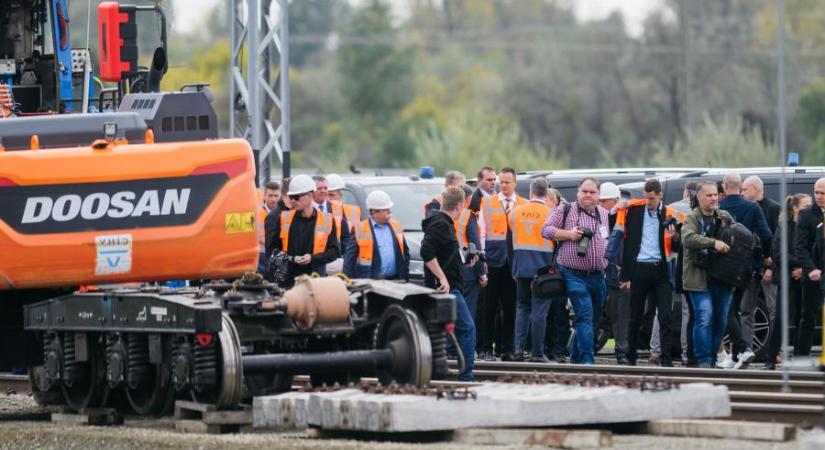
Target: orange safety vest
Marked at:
621, 220
363, 237
323, 227
526, 222
338, 216
435, 198
461, 228
260, 224
353, 215
495, 220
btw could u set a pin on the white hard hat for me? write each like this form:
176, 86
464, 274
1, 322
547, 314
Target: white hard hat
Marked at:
301, 184
609, 191
379, 200
336, 183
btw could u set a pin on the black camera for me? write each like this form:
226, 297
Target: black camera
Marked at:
471, 250
584, 242
702, 258
277, 267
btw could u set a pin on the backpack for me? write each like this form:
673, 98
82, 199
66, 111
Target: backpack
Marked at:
733, 268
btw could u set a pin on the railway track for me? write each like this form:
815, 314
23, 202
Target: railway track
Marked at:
754, 394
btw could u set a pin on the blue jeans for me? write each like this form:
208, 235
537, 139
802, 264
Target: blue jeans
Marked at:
531, 314
710, 309
465, 334
583, 290
471, 290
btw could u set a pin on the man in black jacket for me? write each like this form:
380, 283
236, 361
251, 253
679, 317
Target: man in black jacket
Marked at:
810, 252
754, 190
644, 267
443, 269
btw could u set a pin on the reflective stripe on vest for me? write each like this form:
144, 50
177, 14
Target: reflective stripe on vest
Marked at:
338, 216
363, 237
323, 227
526, 222
353, 215
495, 220
621, 221
461, 228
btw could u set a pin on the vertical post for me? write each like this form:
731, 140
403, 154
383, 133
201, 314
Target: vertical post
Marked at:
234, 27
285, 122
783, 188
265, 163
254, 110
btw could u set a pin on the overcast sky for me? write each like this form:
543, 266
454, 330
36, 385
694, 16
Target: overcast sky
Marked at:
190, 13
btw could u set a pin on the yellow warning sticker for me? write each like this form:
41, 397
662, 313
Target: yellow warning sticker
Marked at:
240, 223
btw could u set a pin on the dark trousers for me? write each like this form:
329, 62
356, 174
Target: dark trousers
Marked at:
617, 319
653, 280
735, 333
499, 302
794, 302
811, 302
558, 328
691, 358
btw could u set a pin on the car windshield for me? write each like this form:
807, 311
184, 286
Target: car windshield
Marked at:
409, 201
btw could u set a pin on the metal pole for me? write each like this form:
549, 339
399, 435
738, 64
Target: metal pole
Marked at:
266, 102
783, 190
285, 123
254, 110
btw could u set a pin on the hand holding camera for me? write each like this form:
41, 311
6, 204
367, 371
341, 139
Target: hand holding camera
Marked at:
720, 246
584, 241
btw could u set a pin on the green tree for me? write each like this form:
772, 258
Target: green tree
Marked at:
376, 80
726, 142
812, 120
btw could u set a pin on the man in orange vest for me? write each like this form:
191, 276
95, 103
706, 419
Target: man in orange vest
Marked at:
344, 213
378, 249
531, 252
451, 178
646, 250
304, 233
500, 295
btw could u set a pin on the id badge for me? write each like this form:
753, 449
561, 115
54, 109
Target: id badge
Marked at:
603, 231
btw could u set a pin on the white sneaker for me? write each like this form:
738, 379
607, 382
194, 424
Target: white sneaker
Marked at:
744, 359
726, 363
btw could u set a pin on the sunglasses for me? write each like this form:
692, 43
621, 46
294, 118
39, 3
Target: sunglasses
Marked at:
297, 197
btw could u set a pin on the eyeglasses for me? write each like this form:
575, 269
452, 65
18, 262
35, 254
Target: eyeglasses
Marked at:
296, 197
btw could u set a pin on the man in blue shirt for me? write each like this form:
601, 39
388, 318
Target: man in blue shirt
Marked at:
377, 248
740, 319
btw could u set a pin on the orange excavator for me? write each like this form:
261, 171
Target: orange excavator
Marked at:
126, 207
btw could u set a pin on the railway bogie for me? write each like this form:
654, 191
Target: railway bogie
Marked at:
223, 341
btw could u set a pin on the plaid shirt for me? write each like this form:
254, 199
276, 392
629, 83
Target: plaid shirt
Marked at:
566, 251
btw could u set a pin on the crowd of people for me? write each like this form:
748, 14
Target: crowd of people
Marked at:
613, 263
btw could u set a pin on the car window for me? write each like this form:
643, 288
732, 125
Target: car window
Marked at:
349, 197
409, 201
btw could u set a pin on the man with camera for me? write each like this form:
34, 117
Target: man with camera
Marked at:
443, 269
378, 249
469, 241
648, 229
301, 240
531, 252
710, 299
581, 229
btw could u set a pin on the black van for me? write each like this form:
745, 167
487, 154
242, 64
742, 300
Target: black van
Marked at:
799, 179
567, 181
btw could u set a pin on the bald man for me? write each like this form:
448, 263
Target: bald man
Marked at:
754, 190
809, 247
740, 320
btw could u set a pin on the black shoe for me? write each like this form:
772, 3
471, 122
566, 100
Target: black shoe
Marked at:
539, 359
622, 360
558, 359
514, 357
771, 365
665, 363
631, 362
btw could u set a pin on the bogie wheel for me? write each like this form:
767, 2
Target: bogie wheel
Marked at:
86, 387
43, 392
226, 392
149, 388
401, 331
